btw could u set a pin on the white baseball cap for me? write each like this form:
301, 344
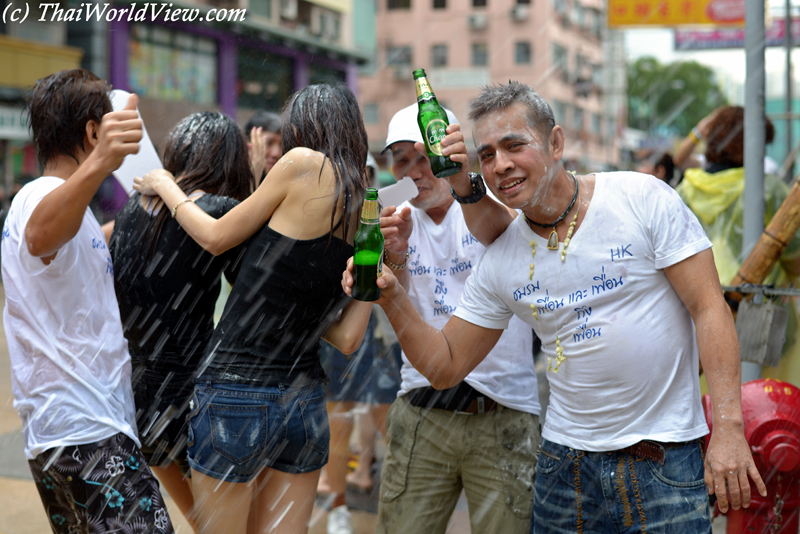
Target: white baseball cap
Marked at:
404, 127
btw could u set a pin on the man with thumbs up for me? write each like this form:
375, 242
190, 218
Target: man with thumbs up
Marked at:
70, 367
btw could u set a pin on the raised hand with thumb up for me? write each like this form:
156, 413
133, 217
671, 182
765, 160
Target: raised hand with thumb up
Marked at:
119, 135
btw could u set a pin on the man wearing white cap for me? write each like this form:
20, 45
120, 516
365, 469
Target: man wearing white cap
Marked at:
481, 435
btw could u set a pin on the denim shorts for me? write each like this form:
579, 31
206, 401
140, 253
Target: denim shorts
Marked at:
370, 375
600, 492
236, 430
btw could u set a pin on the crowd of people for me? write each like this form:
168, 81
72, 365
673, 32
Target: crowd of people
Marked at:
122, 379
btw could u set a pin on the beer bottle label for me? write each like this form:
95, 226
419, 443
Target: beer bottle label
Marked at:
369, 211
434, 133
424, 91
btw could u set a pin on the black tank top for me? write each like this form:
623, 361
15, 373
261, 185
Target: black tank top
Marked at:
286, 296
167, 296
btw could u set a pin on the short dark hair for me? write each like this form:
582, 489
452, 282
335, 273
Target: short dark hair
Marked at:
60, 106
269, 121
725, 142
500, 96
667, 162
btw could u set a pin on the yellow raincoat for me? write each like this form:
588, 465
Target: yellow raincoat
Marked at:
718, 202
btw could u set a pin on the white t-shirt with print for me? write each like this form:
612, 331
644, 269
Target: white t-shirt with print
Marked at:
70, 367
440, 261
631, 355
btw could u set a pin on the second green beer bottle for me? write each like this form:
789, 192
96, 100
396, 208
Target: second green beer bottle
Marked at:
368, 244
432, 120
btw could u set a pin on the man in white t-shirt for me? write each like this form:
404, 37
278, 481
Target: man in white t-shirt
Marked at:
70, 367
482, 434
614, 273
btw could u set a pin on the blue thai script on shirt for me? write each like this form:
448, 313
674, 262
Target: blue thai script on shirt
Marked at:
585, 332
524, 291
548, 304
460, 266
606, 284
469, 239
621, 252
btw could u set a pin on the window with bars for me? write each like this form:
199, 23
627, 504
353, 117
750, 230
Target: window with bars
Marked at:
371, 114
439, 55
480, 54
595, 127
559, 112
399, 56
559, 57
577, 118
522, 53
398, 4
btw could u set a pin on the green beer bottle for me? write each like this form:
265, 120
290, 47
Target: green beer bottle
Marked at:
432, 120
368, 244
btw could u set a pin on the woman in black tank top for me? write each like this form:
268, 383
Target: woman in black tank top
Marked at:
167, 287
258, 429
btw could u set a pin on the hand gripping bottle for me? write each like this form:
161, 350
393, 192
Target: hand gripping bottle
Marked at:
368, 244
432, 120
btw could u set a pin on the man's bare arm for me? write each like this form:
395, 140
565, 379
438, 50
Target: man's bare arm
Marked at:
445, 357
57, 218
728, 459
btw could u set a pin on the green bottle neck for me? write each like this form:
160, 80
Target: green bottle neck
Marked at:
370, 212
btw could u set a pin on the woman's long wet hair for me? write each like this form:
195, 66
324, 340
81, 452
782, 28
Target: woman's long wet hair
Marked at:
205, 151
327, 119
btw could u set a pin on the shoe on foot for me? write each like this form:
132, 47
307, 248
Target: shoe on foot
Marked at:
339, 521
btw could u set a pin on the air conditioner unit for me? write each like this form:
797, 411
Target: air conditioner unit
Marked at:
477, 21
519, 13
289, 9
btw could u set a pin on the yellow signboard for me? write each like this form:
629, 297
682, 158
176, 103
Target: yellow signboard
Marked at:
622, 13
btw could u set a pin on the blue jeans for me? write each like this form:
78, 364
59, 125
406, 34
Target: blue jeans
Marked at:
236, 430
611, 492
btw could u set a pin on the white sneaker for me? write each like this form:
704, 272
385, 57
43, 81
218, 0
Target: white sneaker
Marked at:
339, 521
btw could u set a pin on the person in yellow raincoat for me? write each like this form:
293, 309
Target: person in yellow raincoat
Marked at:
715, 194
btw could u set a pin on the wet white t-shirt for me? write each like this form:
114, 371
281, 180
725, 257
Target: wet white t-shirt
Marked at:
440, 261
70, 367
631, 356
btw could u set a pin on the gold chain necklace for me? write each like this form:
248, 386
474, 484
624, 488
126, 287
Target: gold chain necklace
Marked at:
560, 358
552, 241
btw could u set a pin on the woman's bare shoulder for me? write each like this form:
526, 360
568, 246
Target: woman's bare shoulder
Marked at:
301, 159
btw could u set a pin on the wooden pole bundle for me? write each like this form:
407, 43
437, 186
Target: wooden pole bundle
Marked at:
771, 244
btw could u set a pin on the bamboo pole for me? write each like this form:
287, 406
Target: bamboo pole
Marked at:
771, 244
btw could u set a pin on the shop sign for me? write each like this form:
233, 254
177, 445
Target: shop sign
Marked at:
733, 37
13, 124
625, 13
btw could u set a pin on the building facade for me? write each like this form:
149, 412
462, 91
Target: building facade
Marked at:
234, 56
556, 46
